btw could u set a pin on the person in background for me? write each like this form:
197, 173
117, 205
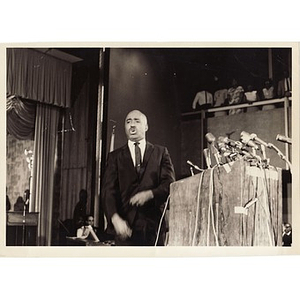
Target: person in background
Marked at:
20, 204
220, 98
8, 205
235, 96
136, 185
90, 221
287, 235
268, 90
26, 199
203, 99
86, 231
284, 87
268, 93
251, 96
80, 208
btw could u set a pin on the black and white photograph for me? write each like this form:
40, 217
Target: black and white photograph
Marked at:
208, 207
150, 147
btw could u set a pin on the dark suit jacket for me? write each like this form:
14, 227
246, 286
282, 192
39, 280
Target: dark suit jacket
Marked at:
121, 182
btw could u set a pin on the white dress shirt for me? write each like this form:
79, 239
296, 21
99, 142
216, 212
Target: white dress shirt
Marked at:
142, 145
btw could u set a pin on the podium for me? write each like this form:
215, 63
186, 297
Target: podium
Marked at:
230, 205
21, 228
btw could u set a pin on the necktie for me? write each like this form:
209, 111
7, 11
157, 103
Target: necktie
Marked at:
138, 157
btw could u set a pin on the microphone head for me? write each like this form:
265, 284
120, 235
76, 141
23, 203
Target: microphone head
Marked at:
210, 137
245, 137
221, 139
189, 163
221, 144
282, 138
247, 140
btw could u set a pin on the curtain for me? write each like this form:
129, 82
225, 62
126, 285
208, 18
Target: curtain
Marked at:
20, 117
45, 145
37, 76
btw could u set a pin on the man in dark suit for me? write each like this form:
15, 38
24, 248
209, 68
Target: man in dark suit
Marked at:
287, 235
135, 185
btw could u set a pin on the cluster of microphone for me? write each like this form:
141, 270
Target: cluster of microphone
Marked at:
250, 147
225, 150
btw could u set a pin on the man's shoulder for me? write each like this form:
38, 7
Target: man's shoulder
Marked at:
156, 146
118, 150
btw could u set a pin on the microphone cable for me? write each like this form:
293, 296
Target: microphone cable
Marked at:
161, 219
197, 209
210, 211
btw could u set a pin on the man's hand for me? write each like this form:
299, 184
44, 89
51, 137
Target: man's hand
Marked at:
121, 226
141, 198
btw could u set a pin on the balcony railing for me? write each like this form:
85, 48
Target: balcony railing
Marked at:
286, 102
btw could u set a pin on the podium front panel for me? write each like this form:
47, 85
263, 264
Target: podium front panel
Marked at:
21, 228
231, 205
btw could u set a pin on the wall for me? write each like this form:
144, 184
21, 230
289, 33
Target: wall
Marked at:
17, 171
140, 80
266, 124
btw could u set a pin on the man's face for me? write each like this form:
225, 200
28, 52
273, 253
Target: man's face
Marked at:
90, 221
135, 126
288, 228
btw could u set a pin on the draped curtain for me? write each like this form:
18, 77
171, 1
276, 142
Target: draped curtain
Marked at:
34, 75
37, 76
46, 127
20, 117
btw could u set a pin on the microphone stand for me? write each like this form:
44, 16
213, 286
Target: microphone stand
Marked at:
192, 171
280, 154
23, 226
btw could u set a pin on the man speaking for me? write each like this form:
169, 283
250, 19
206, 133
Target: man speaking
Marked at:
136, 184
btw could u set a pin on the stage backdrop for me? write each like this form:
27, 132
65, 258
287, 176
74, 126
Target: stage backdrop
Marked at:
138, 79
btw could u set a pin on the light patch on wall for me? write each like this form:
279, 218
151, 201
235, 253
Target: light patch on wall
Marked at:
17, 171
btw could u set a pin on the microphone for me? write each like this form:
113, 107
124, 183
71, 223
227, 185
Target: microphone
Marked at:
194, 166
283, 138
221, 144
258, 140
211, 140
247, 140
263, 151
224, 150
207, 157
232, 143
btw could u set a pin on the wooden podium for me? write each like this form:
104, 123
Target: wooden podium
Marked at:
231, 205
21, 228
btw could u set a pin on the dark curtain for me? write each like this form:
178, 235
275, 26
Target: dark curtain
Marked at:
20, 116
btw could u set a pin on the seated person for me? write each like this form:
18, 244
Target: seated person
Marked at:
90, 221
268, 90
8, 206
20, 204
80, 208
284, 87
220, 97
287, 235
268, 93
87, 231
235, 96
250, 97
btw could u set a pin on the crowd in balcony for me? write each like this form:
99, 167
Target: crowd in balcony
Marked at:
237, 94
